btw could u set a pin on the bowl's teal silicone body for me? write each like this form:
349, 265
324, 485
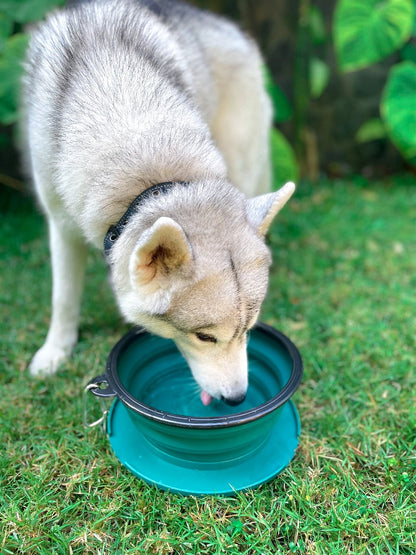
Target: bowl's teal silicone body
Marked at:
193, 474
161, 431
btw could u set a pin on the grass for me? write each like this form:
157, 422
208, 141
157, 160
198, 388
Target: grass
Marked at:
342, 287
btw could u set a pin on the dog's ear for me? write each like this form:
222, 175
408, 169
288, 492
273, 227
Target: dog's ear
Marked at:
261, 210
162, 250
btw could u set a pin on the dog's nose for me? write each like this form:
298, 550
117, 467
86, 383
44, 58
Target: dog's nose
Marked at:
234, 401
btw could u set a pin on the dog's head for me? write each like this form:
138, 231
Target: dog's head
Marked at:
199, 277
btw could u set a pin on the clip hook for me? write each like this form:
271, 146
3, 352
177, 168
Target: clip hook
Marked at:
100, 420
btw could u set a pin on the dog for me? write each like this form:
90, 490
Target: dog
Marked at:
147, 128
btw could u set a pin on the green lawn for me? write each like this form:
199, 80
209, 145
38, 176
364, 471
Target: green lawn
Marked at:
342, 288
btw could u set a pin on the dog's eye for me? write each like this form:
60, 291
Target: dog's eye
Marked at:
206, 337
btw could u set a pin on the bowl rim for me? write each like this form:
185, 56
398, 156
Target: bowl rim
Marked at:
116, 389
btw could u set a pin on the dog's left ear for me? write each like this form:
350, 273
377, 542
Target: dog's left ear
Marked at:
261, 210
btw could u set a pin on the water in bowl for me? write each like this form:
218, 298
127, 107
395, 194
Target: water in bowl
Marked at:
162, 380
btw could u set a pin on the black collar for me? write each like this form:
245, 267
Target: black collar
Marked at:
114, 231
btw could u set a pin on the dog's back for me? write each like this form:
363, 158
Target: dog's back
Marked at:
101, 76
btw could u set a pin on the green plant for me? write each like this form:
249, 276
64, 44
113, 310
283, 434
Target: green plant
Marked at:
14, 14
10, 74
284, 164
367, 32
311, 76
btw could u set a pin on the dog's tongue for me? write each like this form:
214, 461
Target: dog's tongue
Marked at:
205, 398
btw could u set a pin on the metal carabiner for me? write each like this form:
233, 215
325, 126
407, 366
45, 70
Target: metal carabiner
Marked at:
104, 409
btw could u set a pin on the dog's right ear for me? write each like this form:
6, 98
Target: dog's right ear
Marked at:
162, 251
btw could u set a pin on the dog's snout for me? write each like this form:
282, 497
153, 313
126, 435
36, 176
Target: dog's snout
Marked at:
234, 401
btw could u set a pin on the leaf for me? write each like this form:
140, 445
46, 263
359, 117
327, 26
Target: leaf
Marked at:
6, 27
414, 20
366, 31
8, 110
319, 74
371, 130
408, 52
281, 105
284, 163
11, 70
317, 25
398, 108
25, 11
11, 62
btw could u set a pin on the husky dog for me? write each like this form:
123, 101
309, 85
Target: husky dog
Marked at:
147, 125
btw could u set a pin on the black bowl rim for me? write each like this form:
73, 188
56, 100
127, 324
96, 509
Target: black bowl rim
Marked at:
116, 389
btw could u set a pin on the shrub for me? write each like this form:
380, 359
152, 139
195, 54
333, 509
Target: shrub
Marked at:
367, 32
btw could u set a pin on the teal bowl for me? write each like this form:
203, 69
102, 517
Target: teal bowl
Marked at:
160, 430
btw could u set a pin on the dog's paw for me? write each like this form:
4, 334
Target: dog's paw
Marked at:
47, 360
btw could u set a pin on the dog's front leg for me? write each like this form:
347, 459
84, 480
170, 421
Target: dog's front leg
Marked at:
68, 256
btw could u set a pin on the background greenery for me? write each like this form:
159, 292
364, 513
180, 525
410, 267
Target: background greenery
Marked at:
359, 34
367, 32
342, 287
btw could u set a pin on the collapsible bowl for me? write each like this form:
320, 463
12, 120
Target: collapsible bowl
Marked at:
160, 430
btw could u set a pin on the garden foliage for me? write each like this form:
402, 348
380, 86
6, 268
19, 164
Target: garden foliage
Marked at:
14, 15
285, 167
363, 33
368, 32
